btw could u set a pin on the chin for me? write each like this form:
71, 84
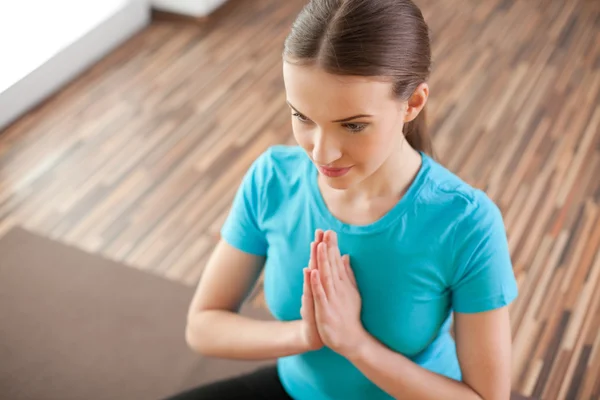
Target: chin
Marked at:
341, 183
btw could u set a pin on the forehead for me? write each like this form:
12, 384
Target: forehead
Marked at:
314, 91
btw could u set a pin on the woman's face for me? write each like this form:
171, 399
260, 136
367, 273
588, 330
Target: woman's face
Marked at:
348, 125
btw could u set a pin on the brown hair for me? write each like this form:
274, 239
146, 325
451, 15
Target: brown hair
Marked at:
383, 38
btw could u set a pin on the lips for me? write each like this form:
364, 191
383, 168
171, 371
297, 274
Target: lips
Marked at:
334, 172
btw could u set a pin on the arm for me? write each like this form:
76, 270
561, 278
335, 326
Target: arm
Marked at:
214, 327
483, 345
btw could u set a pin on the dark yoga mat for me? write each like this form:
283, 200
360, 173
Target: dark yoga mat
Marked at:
76, 326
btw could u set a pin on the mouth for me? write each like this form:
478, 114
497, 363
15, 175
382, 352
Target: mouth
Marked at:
334, 172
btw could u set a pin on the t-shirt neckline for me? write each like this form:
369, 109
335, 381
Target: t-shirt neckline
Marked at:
382, 223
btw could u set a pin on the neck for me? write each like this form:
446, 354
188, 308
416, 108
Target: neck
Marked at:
392, 179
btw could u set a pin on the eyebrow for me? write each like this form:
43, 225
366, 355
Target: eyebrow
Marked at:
337, 120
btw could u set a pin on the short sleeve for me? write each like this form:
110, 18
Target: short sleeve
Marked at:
484, 278
242, 227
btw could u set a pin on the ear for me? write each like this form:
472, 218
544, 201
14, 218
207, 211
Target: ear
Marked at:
416, 102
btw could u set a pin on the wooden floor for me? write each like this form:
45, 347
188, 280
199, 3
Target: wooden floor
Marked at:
139, 158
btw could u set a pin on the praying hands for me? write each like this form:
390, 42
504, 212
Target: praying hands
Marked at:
331, 302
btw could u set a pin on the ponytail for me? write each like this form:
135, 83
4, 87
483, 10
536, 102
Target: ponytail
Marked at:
417, 135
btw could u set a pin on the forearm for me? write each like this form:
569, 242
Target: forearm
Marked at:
226, 334
403, 379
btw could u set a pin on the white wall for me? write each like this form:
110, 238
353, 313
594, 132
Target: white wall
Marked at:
33, 31
46, 43
194, 8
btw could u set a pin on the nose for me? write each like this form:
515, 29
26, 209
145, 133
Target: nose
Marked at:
325, 148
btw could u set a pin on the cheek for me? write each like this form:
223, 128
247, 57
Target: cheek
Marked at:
302, 135
386, 140
369, 149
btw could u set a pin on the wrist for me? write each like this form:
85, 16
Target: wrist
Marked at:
299, 340
361, 347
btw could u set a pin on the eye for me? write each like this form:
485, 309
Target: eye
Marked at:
355, 127
300, 117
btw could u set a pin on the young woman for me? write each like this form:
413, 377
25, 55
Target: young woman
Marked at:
370, 247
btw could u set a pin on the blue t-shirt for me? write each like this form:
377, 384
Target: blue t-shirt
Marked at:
442, 247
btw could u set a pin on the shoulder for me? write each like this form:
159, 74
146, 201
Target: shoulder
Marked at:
264, 187
468, 207
278, 173
468, 222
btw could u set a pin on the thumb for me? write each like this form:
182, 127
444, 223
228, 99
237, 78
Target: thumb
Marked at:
308, 303
348, 269
346, 260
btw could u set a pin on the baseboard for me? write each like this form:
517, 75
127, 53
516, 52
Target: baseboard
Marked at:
189, 8
178, 17
169, 16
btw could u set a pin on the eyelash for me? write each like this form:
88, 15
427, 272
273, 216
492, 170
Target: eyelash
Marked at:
357, 127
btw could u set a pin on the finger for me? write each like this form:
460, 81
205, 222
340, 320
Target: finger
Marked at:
319, 294
312, 262
348, 269
313, 254
319, 235
335, 259
345, 268
336, 245
306, 284
325, 269
333, 239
